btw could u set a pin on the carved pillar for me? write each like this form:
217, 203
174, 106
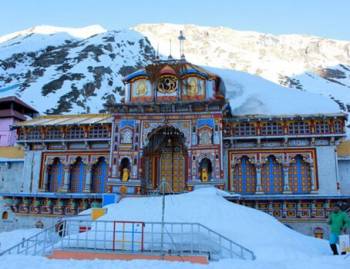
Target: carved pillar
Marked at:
313, 178
87, 187
258, 179
46, 176
66, 178
286, 188
232, 176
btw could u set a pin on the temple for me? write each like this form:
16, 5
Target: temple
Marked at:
175, 125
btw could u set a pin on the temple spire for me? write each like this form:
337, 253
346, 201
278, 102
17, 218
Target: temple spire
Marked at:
182, 38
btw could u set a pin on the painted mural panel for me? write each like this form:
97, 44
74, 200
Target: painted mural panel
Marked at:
141, 90
193, 88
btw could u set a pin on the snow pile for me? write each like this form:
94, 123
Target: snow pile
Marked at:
9, 239
267, 237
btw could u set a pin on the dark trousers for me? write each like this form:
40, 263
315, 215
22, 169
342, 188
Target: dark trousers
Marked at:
334, 249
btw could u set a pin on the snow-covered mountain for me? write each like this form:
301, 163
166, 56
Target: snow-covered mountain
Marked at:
79, 70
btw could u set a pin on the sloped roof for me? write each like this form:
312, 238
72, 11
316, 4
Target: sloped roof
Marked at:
56, 120
11, 153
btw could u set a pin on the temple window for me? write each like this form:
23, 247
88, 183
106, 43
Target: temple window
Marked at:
98, 132
271, 128
299, 128
299, 175
54, 133
75, 132
272, 176
34, 134
322, 127
126, 136
245, 129
244, 176
338, 126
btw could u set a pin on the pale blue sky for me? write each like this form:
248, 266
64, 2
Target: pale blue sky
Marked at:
318, 17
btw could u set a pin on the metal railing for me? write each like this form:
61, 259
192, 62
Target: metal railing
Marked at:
41, 243
178, 239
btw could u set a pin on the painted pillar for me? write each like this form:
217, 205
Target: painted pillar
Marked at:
286, 188
258, 179
66, 178
87, 187
46, 176
232, 176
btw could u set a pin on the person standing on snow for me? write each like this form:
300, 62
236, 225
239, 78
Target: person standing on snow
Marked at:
338, 221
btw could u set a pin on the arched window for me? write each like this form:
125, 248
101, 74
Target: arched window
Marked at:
55, 175
5, 215
205, 136
126, 136
272, 176
124, 169
99, 176
244, 176
77, 176
299, 176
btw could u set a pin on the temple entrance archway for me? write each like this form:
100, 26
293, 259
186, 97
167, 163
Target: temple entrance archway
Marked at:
165, 157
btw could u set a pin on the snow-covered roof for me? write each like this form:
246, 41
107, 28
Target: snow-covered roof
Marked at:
68, 120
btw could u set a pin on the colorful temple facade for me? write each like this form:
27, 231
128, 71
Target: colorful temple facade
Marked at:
175, 125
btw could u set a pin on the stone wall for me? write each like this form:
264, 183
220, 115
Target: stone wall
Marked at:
344, 175
327, 170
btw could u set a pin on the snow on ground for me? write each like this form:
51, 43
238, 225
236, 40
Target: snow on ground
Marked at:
30, 262
258, 231
9, 239
276, 246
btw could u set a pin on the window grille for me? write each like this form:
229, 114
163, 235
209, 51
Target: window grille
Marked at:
245, 129
271, 128
338, 126
54, 133
75, 133
322, 127
299, 127
34, 134
98, 132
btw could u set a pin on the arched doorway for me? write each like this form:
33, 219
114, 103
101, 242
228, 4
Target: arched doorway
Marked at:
165, 158
99, 176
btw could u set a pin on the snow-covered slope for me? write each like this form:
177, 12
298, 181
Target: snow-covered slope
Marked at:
260, 232
79, 70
